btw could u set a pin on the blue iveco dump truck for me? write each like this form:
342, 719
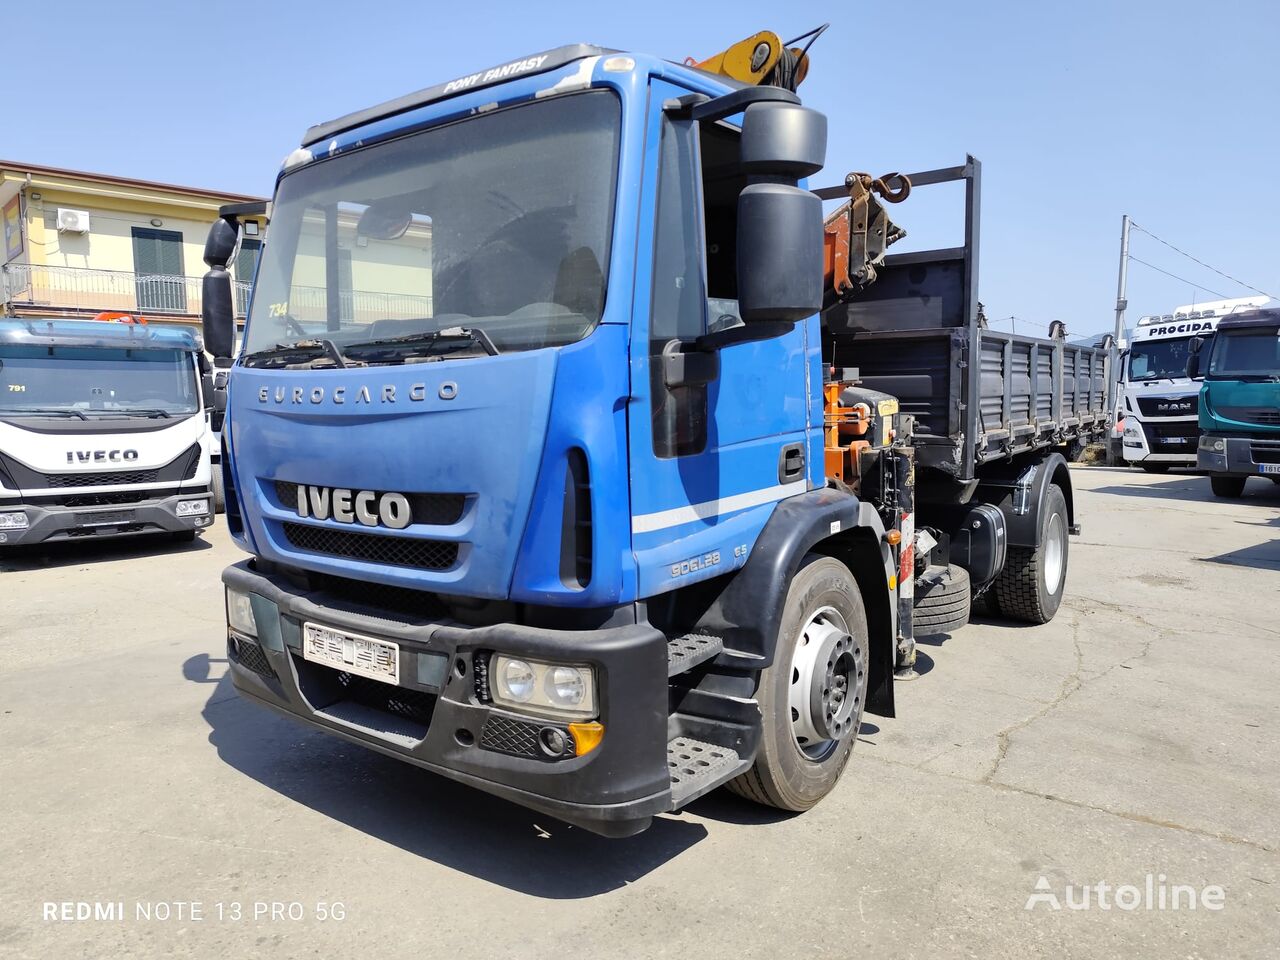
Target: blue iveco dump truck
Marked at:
547, 445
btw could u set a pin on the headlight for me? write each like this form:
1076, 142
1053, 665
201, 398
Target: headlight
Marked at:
1216, 444
193, 508
16, 520
240, 613
550, 689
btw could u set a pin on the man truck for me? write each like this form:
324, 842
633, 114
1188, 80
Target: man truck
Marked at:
103, 431
1157, 401
580, 459
1240, 400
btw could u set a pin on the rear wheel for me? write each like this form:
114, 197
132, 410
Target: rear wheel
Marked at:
1230, 487
1030, 586
812, 697
1154, 467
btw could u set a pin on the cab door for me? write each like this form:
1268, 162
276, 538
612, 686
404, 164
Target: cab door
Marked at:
716, 439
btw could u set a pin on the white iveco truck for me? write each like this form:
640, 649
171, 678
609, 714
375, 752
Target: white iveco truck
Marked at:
103, 431
1157, 402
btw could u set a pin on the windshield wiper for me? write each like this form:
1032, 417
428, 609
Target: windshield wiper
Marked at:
431, 338
288, 353
62, 411
147, 412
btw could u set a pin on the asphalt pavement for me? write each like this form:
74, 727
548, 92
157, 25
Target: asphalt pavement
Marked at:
1130, 743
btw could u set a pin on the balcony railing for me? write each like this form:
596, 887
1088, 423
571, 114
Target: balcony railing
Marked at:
76, 291
81, 290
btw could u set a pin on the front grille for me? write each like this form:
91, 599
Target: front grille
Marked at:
415, 705
181, 467
1270, 416
396, 551
432, 509
111, 499
1265, 453
507, 735
97, 479
1172, 436
250, 656
1169, 406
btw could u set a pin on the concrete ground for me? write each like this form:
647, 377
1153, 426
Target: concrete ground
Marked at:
1133, 736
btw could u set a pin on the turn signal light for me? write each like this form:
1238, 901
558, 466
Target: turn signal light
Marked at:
893, 537
586, 736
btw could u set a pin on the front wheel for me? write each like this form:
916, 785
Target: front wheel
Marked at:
812, 697
1154, 467
1030, 586
219, 493
1230, 487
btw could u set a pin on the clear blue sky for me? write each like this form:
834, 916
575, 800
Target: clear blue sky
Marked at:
1081, 111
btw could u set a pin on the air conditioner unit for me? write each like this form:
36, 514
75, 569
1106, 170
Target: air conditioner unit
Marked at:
73, 221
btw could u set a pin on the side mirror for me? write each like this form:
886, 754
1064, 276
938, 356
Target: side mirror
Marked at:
1193, 357
688, 365
779, 224
779, 253
783, 140
217, 307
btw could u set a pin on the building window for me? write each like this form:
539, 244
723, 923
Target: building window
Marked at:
158, 274
246, 263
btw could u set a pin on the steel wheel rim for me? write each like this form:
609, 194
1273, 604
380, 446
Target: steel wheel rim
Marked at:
827, 684
1055, 549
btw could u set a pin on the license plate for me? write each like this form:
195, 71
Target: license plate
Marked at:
363, 656
105, 518
1269, 468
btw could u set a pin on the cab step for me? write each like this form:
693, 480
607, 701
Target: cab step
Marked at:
685, 653
697, 767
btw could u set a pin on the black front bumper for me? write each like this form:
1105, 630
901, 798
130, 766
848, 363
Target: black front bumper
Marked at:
435, 718
51, 522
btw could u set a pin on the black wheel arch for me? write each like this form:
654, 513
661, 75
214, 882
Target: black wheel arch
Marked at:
747, 613
1020, 487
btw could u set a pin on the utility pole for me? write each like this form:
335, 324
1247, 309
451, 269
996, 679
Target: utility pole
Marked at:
1121, 303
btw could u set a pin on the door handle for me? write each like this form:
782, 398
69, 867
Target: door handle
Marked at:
791, 463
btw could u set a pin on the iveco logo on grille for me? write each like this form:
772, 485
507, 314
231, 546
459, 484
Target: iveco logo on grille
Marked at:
355, 506
101, 456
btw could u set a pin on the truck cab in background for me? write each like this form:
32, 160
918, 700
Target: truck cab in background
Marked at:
1240, 401
103, 431
1156, 400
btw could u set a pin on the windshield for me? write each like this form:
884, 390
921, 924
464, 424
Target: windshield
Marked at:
1158, 359
500, 224
1245, 355
96, 382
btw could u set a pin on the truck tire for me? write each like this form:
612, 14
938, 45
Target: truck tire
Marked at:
1030, 586
1230, 487
812, 696
944, 601
219, 495
184, 536
1154, 467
